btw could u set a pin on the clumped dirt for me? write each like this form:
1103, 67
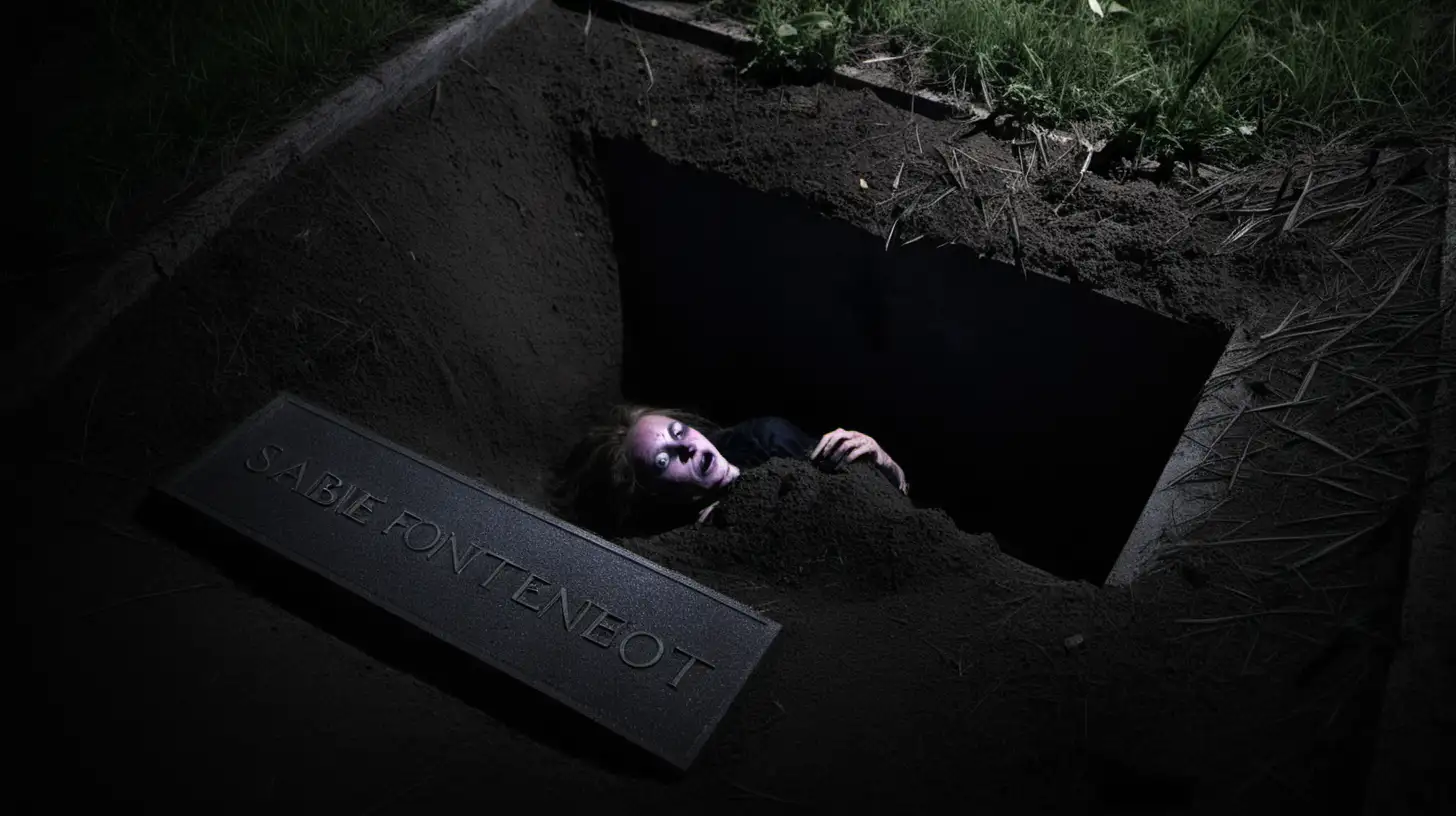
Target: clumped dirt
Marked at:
794, 527
445, 276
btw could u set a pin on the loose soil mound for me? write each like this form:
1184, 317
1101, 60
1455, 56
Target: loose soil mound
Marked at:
792, 525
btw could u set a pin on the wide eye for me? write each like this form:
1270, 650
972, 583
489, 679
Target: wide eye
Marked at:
677, 429
661, 460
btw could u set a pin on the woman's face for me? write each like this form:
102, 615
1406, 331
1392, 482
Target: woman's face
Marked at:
675, 459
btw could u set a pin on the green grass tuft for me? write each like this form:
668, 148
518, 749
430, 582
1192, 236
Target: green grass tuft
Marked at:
798, 43
1231, 79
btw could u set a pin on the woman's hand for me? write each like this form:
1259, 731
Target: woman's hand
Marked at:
841, 447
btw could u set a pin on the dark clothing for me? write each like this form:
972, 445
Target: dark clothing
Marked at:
753, 442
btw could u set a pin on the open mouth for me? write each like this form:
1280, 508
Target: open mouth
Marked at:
706, 465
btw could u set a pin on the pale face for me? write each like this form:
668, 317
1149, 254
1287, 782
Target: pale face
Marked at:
675, 460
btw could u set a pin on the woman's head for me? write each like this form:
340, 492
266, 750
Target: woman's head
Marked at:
674, 461
639, 459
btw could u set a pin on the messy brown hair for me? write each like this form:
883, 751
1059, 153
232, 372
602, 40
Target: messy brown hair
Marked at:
597, 486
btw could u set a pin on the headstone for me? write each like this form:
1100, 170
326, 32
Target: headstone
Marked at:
645, 652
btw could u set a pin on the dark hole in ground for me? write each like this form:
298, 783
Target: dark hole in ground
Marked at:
1032, 409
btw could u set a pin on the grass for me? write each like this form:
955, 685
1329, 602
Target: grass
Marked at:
130, 100
1288, 70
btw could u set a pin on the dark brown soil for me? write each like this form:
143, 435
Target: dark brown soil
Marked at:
852, 537
446, 277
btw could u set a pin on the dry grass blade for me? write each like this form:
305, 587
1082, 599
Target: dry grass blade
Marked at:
1368, 468
1016, 237
1248, 193
1332, 547
998, 168
1310, 332
1221, 434
1197, 518
957, 171
1414, 194
1340, 259
1248, 615
1324, 518
1309, 436
952, 167
1239, 592
1334, 182
1328, 212
1086, 163
1026, 165
357, 202
757, 794
1400, 280
1285, 322
1205, 464
1284, 185
1358, 222
906, 193
146, 596
940, 197
1327, 482
985, 697
1203, 196
1380, 390
642, 50
86, 425
1294, 211
238, 342
1244, 669
1237, 361
1305, 328
1288, 404
1262, 408
1417, 329
876, 60
1234, 477
1331, 483
1248, 227
1392, 225
1303, 387
1197, 632
1225, 542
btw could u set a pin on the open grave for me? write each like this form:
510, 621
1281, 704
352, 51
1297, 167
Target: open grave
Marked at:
479, 275
1022, 406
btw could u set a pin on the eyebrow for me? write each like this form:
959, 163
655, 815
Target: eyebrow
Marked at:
670, 441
